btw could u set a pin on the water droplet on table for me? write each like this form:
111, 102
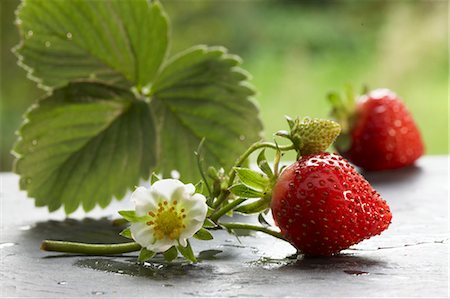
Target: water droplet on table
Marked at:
4, 245
62, 282
97, 293
25, 227
356, 272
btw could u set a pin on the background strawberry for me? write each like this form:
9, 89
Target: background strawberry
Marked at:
378, 132
322, 205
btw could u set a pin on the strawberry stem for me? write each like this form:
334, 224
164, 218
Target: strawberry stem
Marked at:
232, 174
199, 157
216, 215
86, 248
232, 225
276, 163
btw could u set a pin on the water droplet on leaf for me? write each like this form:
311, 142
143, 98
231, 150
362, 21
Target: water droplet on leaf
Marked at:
175, 174
48, 44
69, 35
29, 33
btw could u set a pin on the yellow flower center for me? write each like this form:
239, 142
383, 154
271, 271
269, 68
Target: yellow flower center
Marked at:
167, 221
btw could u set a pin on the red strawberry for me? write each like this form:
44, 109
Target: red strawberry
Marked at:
378, 132
322, 205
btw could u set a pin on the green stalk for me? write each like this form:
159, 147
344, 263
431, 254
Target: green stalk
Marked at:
86, 248
216, 215
232, 174
253, 227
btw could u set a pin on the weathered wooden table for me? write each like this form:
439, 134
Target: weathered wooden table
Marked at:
411, 259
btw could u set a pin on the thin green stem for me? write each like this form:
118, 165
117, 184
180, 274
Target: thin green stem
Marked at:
216, 215
86, 248
200, 166
276, 164
253, 227
232, 174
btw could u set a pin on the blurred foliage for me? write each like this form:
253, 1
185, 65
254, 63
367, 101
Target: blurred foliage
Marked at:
296, 51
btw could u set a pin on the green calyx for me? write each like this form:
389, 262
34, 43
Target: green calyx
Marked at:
344, 112
311, 136
343, 107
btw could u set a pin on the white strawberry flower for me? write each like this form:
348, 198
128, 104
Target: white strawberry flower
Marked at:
169, 213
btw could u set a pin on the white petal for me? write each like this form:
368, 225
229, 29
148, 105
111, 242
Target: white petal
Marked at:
179, 194
161, 245
141, 233
192, 227
143, 200
196, 210
190, 189
195, 207
166, 187
183, 242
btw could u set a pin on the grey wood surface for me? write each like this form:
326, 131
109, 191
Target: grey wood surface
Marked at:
410, 259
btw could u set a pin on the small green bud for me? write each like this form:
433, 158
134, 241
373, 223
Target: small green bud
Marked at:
212, 173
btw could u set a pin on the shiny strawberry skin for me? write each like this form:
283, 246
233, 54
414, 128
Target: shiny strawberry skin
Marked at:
322, 205
384, 135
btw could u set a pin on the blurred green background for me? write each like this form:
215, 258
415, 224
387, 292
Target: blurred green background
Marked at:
296, 51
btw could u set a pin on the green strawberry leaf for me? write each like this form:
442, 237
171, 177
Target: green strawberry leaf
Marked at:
263, 165
209, 254
118, 106
131, 216
84, 144
263, 220
251, 178
203, 234
126, 233
209, 224
118, 42
170, 254
145, 255
254, 207
203, 93
187, 252
244, 191
154, 178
